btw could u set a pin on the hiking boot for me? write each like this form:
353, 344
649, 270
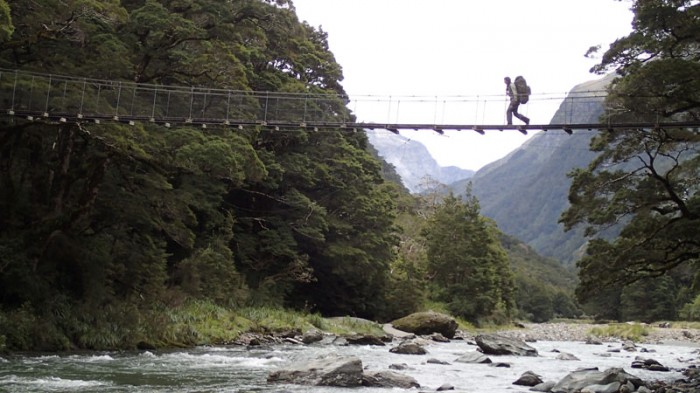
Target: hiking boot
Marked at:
527, 121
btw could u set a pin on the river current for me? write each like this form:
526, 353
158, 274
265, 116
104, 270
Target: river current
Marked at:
241, 369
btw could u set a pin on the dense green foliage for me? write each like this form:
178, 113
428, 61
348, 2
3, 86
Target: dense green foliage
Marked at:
645, 179
118, 236
6, 27
104, 225
469, 268
544, 287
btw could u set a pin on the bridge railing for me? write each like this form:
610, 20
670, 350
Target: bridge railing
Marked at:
48, 95
51, 96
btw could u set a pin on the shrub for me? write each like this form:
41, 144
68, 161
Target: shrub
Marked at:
691, 311
626, 331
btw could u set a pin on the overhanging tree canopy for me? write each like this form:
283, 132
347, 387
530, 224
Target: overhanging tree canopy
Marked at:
644, 181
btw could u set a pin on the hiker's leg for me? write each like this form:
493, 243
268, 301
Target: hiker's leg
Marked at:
522, 118
509, 113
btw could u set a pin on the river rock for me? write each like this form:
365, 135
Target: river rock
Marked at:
612, 387
335, 371
437, 337
473, 357
398, 366
528, 378
427, 322
496, 344
567, 356
409, 348
340, 341
393, 332
579, 379
287, 333
543, 387
648, 364
312, 336
388, 379
292, 340
252, 339
658, 367
364, 339
629, 346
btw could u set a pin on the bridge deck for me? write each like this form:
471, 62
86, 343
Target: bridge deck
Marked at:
393, 127
55, 98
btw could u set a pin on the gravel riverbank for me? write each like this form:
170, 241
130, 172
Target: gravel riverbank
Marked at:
656, 335
582, 332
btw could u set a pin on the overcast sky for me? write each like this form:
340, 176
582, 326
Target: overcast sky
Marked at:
462, 48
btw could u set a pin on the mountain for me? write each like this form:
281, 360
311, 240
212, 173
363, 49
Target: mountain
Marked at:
526, 191
413, 162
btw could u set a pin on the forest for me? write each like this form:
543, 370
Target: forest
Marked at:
115, 235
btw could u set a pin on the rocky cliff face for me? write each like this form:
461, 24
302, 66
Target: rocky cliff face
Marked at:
417, 168
526, 191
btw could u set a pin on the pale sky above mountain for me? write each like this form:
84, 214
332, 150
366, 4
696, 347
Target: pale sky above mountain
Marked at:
391, 50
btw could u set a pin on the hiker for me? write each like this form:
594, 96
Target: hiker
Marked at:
512, 93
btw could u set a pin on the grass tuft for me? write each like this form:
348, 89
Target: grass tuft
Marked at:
626, 331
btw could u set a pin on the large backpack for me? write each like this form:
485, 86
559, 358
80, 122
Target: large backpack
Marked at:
523, 90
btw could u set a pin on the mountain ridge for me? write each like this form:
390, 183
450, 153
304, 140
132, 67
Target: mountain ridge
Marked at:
413, 162
524, 192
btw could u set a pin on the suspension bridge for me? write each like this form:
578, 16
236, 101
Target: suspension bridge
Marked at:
57, 98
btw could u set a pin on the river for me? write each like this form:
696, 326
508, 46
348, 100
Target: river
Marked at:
241, 369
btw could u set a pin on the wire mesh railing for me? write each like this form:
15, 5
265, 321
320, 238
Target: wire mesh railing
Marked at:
56, 96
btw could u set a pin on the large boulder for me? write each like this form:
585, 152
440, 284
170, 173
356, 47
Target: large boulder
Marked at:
335, 371
427, 322
593, 379
496, 344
